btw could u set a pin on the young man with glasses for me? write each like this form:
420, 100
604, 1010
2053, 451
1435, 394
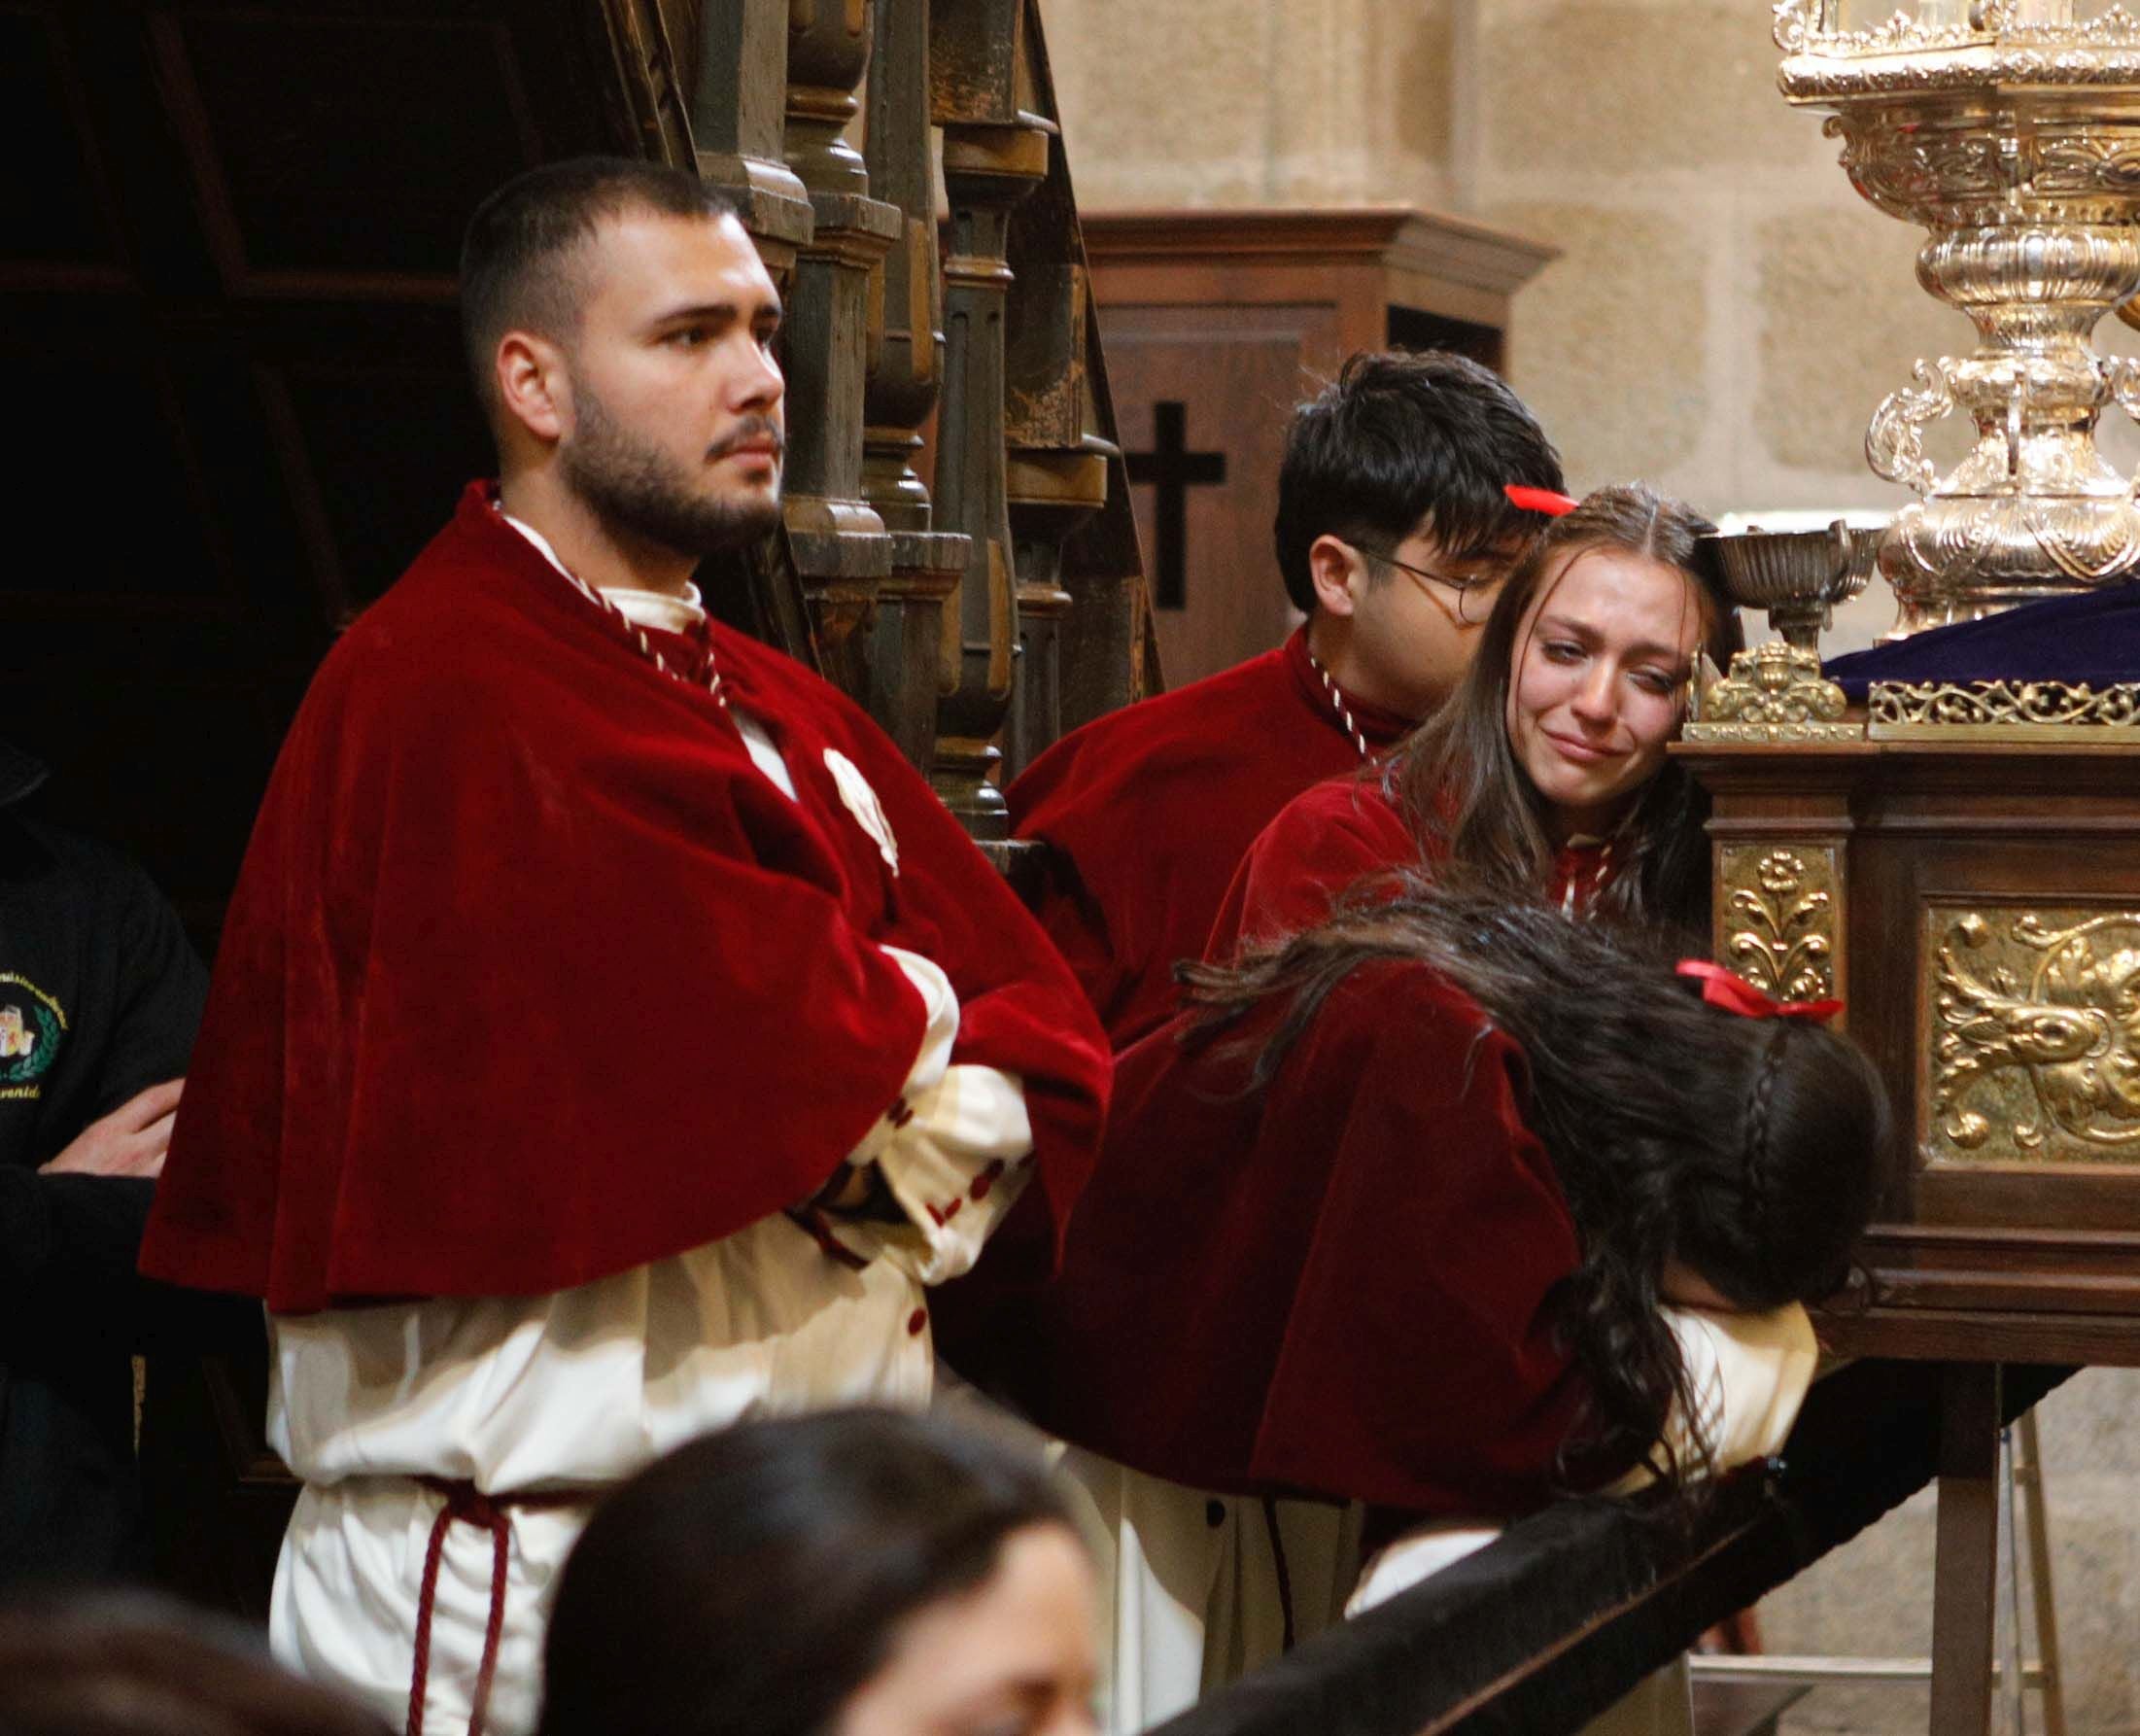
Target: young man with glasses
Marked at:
1395, 528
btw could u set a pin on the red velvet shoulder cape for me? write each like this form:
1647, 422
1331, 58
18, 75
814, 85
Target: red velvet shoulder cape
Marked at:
1322, 844
1338, 1285
1345, 833
1146, 813
531, 976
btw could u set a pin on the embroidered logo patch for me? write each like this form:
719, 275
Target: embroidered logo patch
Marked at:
861, 802
31, 1025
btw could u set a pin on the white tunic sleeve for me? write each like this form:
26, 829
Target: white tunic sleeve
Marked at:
1749, 1374
945, 1147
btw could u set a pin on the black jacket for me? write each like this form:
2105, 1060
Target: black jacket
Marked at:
100, 995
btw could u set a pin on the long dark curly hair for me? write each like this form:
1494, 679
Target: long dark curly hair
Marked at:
1457, 778
1748, 1149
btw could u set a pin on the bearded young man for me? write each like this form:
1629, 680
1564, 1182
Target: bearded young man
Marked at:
1408, 488
612, 1036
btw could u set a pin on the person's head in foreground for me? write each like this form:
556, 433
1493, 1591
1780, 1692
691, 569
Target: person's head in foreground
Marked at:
852, 1573
1710, 1156
133, 1665
1560, 726
1394, 527
620, 331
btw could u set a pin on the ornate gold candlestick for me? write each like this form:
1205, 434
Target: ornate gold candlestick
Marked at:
1776, 693
2013, 135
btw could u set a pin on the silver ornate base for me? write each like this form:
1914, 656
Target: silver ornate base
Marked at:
2015, 143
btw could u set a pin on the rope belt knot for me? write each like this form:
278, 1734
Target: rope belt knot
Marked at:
465, 1504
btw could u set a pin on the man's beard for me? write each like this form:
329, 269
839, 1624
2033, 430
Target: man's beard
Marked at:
638, 490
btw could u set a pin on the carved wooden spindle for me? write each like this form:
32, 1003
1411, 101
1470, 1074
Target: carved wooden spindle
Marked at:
996, 152
839, 545
908, 672
1049, 500
1108, 653
738, 100
1056, 471
1057, 461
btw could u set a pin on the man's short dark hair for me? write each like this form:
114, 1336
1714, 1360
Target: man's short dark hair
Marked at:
1404, 440
517, 259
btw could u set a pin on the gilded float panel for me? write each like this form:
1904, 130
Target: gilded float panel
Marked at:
2004, 711
1779, 916
2030, 1034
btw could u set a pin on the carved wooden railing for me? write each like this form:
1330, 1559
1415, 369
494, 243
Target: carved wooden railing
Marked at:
978, 611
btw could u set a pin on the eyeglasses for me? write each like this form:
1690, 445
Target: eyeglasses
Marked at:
1475, 596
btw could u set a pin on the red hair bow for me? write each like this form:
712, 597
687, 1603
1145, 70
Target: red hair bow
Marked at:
1539, 499
1725, 988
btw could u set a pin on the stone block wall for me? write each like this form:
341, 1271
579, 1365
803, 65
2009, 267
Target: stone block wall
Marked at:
1726, 314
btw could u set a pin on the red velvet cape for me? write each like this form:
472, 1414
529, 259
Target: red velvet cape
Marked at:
1341, 834
1147, 810
1338, 1285
531, 976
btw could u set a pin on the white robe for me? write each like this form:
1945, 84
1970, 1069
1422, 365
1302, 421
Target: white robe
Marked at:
576, 1390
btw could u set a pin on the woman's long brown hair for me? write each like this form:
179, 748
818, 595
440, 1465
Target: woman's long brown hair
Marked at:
1457, 779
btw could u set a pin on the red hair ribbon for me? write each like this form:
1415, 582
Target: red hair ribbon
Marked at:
1725, 988
1539, 499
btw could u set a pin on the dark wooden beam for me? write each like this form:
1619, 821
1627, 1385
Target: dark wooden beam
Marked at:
1569, 1608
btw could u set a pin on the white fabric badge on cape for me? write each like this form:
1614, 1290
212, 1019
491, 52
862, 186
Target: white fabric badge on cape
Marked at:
862, 803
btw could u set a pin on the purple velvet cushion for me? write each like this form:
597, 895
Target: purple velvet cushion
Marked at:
2094, 639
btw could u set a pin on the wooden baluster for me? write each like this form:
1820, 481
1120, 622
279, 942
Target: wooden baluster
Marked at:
1056, 479
738, 96
996, 152
1108, 653
907, 672
738, 99
839, 545
1056, 462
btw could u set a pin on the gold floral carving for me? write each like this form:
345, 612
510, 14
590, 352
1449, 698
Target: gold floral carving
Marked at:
1779, 918
2034, 1043
2020, 710
1774, 692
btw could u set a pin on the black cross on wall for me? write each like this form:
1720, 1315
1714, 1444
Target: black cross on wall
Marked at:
1172, 470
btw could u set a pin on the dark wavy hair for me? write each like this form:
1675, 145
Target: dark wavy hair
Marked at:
1748, 1149
1403, 438
1457, 778
755, 1578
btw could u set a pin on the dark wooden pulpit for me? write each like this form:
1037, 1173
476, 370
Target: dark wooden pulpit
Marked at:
1216, 323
